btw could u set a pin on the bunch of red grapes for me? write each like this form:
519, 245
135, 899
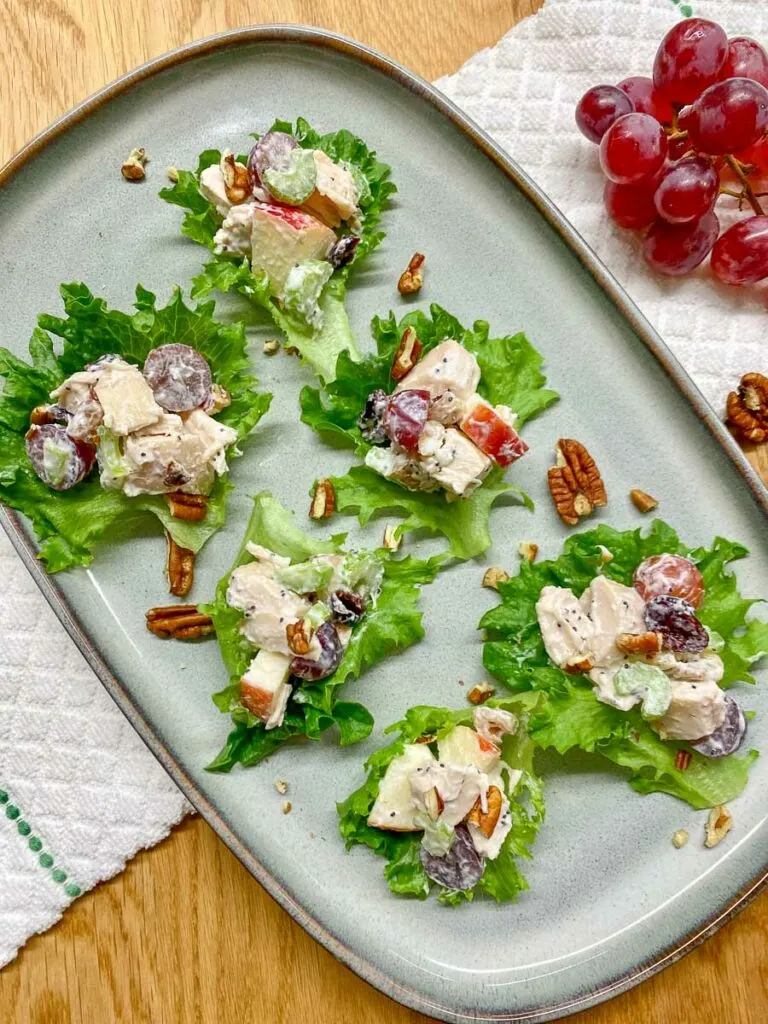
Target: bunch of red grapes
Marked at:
670, 146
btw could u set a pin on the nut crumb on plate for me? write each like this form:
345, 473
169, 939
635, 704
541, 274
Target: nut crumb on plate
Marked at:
719, 824
281, 786
323, 500
493, 577
133, 165
287, 807
528, 551
173, 174
271, 346
643, 502
412, 277
680, 838
480, 693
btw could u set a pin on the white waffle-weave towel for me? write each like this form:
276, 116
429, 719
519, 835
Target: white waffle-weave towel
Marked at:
79, 792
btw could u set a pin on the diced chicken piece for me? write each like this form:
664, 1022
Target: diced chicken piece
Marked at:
459, 467
458, 787
214, 438
395, 808
448, 367
491, 430
213, 188
268, 607
565, 628
335, 195
696, 710
493, 724
283, 236
76, 389
447, 408
86, 419
270, 559
394, 465
432, 439
264, 689
463, 746
613, 609
235, 234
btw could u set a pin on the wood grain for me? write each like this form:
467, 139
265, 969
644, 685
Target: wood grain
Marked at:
185, 934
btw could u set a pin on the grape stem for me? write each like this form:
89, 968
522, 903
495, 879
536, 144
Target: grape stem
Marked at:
738, 169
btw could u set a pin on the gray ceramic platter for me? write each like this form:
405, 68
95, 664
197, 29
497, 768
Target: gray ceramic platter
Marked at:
610, 900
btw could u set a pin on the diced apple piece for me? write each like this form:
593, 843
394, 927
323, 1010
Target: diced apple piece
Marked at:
492, 433
463, 746
264, 689
335, 196
283, 236
448, 367
395, 808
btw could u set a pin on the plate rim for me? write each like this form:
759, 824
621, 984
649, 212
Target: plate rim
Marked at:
12, 523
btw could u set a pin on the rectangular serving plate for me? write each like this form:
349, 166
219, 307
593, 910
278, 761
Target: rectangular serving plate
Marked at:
610, 900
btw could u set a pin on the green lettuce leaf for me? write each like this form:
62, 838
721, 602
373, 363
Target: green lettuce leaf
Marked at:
391, 626
502, 879
320, 348
511, 375
572, 717
70, 524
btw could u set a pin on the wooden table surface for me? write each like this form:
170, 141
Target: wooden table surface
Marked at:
185, 934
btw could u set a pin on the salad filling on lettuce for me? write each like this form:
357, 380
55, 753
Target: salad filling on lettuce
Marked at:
452, 803
285, 224
634, 640
295, 618
131, 414
435, 416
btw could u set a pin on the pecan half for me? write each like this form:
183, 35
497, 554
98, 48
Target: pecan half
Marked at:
236, 183
746, 410
407, 355
643, 502
486, 820
719, 824
192, 507
412, 277
639, 643
298, 634
133, 167
575, 483
180, 621
323, 500
180, 567
480, 693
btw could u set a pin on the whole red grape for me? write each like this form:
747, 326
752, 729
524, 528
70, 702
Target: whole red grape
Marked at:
727, 117
630, 206
690, 58
746, 59
674, 249
598, 108
757, 155
646, 99
687, 190
740, 255
633, 148
677, 146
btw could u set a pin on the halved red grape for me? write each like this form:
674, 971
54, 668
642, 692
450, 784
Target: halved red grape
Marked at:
633, 148
740, 255
273, 150
630, 206
668, 574
728, 116
59, 460
179, 376
460, 868
347, 607
728, 737
690, 57
371, 421
598, 108
646, 99
687, 190
675, 249
405, 417
746, 59
680, 629
331, 652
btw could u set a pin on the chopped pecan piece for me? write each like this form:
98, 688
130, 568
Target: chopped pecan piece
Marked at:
407, 355
528, 551
133, 167
192, 507
433, 804
577, 664
575, 483
323, 500
426, 737
236, 183
643, 502
480, 693
493, 577
180, 621
682, 760
486, 821
639, 643
180, 567
746, 411
412, 277
298, 634
719, 824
